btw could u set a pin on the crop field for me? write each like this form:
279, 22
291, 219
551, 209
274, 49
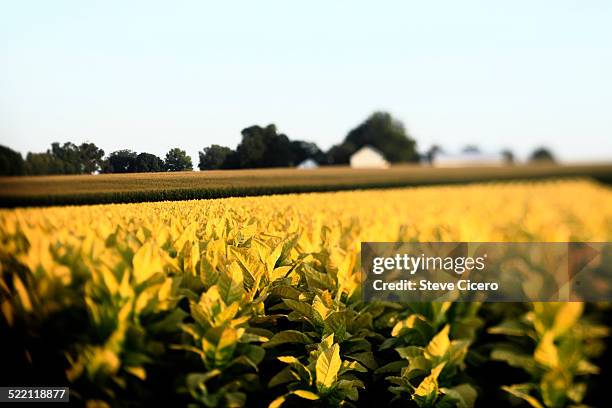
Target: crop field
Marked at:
256, 301
147, 187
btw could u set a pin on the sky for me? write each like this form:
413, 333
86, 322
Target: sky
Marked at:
153, 75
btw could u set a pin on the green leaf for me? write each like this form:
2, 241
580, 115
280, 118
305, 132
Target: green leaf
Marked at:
219, 344
393, 367
286, 375
553, 386
287, 336
464, 394
301, 307
410, 352
336, 324
365, 358
285, 292
509, 328
515, 358
415, 323
301, 370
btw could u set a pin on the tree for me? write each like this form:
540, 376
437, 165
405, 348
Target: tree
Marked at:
471, 149
44, 163
340, 153
213, 157
177, 160
147, 163
263, 147
232, 161
90, 158
433, 151
386, 134
542, 155
69, 155
11, 162
120, 161
301, 150
508, 156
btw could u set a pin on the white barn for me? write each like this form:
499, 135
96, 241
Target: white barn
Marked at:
368, 157
468, 159
308, 164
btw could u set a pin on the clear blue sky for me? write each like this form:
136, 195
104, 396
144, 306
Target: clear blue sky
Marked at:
149, 75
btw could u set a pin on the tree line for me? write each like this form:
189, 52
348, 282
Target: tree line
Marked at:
87, 158
260, 147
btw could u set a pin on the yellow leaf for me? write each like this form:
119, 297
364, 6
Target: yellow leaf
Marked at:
138, 372
438, 346
22, 293
146, 262
306, 394
429, 386
327, 366
320, 310
277, 402
566, 317
408, 323
546, 352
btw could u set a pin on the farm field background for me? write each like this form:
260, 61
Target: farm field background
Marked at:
255, 301
143, 187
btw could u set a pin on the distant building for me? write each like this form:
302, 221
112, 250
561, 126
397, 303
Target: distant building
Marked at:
468, 159
308, 164
368, 157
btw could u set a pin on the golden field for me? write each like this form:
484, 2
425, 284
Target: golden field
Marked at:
256, 300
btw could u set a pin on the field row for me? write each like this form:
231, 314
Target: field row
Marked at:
147, 187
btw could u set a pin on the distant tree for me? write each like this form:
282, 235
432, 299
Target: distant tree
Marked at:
11, 162
301, 150
120, 161
263, 147
213, 157
386, 134
252, 148
91, 158
177, 160
340, 153
542, 155
471, 149
508, 156
433, 151
232, 161
147, 163
69, 155
44, 163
